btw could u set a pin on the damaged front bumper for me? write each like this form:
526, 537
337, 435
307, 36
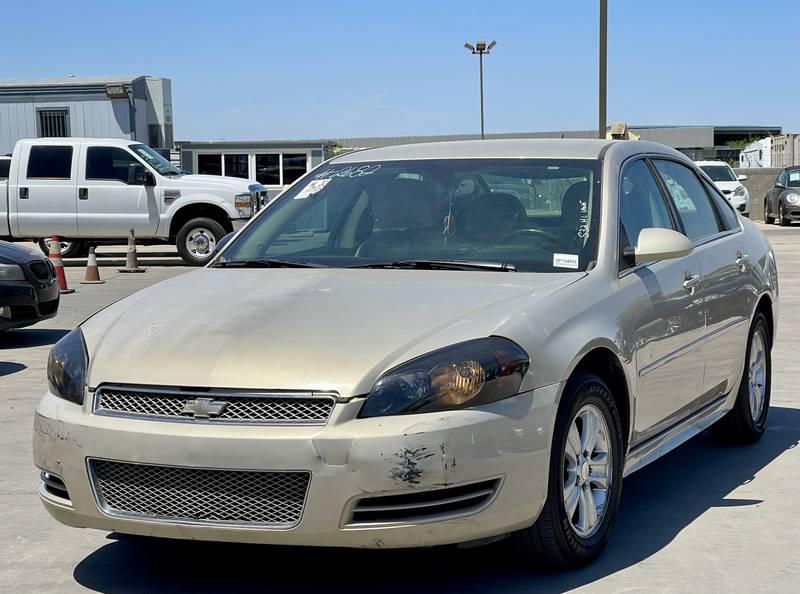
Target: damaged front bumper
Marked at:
402, 481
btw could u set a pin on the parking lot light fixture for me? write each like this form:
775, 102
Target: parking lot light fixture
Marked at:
480, 48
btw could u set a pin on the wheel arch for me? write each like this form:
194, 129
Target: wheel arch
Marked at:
195, 210
764, 306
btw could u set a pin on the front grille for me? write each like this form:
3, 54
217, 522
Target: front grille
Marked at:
418, 506
281, 409
40, 270
270, 499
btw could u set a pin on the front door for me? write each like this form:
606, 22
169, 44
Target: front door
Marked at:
107, 205
46, 191
666, 318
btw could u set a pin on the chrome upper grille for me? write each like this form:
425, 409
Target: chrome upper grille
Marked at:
305, 409
271, 499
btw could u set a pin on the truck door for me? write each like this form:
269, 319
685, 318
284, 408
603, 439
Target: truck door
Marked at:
108, 205
46, 191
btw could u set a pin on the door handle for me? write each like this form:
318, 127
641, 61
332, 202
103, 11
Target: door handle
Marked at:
742, 261
23, 193
691, 281
83, 193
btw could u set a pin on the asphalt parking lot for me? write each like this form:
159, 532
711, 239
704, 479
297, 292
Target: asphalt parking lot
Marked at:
703, 519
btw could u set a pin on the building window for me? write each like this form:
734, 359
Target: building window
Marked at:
237, 166
50, 162
268, 169
209, 164
53, 123
294, 167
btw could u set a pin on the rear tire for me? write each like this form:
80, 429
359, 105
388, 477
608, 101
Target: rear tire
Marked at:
562, 539
69, 248
197, 240
746, 422
768, 218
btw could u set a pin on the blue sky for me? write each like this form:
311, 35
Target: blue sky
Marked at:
281, 70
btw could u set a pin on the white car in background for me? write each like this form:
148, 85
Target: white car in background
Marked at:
728, 183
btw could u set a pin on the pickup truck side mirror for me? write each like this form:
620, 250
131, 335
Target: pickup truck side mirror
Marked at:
139, 176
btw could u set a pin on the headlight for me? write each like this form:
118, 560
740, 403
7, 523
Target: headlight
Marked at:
11, 272
66, 367
740, 191
244, 205
793, 198
463, 375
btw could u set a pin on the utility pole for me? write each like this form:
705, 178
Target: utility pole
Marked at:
602, 82
481, 48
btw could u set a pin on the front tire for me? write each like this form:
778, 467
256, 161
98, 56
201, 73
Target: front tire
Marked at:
197, 240
782, 220
746, 422
585, 485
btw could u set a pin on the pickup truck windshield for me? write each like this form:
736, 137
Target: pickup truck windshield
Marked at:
155, 160
523, 215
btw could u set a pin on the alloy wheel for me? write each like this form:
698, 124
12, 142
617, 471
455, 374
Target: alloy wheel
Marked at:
757, 374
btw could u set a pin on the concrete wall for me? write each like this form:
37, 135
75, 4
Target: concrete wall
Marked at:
758, 183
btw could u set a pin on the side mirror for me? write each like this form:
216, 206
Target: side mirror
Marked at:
741, 177
139, 176
779, 185
223, 242
661, 244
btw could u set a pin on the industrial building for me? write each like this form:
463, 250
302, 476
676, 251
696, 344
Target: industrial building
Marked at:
131, 107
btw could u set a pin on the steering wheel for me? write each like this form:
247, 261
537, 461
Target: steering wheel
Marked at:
538, 233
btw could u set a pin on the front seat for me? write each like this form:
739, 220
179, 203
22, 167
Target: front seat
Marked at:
403, 219
575, 216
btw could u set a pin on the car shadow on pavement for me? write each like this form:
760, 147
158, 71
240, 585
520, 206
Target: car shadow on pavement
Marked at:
658, 503
7, 368
29, 337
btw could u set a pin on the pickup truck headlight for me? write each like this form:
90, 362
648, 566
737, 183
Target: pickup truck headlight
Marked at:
460, 376
244, 205
66, 367
793, 198
11, 272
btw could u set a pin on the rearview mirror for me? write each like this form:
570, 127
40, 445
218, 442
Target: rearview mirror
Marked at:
139, 176
661, 244
741, 177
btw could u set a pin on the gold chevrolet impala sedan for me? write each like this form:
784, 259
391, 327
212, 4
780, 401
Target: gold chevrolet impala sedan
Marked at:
422, 345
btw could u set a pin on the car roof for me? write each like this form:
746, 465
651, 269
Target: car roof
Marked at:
529, 148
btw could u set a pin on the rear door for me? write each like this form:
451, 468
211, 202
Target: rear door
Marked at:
46, 191
107, 205
708, 220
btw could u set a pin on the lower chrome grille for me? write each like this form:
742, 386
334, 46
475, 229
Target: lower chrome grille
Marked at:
270, 499
231, 407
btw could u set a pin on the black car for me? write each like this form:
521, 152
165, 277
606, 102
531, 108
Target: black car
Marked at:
782, 202
28, 287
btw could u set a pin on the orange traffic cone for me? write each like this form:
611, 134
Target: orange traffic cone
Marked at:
92, 276
131, 261
58, 264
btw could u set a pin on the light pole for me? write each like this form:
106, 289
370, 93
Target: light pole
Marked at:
603, 52
481, 48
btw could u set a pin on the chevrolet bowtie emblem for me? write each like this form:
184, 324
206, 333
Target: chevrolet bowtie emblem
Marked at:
204, 408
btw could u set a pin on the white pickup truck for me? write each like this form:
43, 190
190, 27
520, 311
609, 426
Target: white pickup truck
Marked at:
91, 191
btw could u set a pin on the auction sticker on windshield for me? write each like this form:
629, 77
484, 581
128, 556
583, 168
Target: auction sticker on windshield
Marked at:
565, 261
312, 188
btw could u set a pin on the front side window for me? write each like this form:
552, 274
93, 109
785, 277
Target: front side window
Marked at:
781, 178
719, 173
690, 199
454, 210
727, 216
641, 205
50, 162
107, 162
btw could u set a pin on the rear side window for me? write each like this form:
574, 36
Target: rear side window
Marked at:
693, 204
50, 162
107, 162
727, 217
5, 165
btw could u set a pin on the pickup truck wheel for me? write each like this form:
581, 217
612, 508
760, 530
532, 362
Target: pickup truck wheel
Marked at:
69, 249
197, 240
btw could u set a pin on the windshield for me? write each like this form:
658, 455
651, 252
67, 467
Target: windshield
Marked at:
719, 173
527, 214
155, 160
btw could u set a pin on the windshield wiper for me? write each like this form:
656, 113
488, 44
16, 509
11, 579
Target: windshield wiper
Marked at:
441, 265
267, 263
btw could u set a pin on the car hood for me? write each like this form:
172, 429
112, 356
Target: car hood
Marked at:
299, 329
217, 182
11, 253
